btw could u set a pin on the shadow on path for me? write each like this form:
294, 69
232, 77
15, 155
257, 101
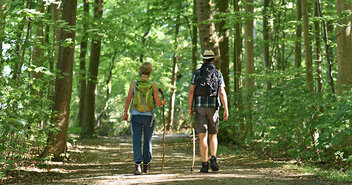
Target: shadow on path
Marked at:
109, 161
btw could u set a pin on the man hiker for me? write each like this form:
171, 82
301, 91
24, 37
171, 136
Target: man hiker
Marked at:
144, 95
205, 93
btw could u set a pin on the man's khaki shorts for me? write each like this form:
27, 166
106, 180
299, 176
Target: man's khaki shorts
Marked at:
207, 119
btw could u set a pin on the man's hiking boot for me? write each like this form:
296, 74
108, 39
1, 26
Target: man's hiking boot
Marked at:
138, 170
213, 164
205, 167
146, 167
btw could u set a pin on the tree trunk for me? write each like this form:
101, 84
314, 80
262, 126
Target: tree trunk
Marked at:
224, 33
249, 58
18, 66
318, 52
37, 57
307, 46
56, 29
174, 74
2, 27
327, 50
108, 89
344, 46
266, 40
194, 37
207, 33
89, 111
63, 87
344, 57
82, 62
144, 37
283, 36
237, 47
298, 46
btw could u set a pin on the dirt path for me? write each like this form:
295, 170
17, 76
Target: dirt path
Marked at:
109, 161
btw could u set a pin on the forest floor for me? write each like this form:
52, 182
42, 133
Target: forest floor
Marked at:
109, 161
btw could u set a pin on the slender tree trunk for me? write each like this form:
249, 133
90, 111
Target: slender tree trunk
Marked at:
63, 87
276, 50
56, 17
108, 89
283, 36
194, 37
237, 47
307, 46
174, 74
207, 33
89, 111
237, 63
2, 27
344, 46
37, 57
21, 54
327, 49
224, 34
266, 39
82, 63
249, 58
298, 45
318, 52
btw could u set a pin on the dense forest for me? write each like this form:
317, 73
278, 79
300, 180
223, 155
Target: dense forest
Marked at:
66, 66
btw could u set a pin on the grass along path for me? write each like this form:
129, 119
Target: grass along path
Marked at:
109, 161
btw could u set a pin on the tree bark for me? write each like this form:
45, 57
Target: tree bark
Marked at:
224, 34
344, 46
194, 37
298, 46
207, 33
174, 74
318, 52
63, 87
56, 17
237, 47
307, 46
327, 50
266, 40
82, 62
18, 66
249, 45
89, 111
108, 89
249, 58
37, 57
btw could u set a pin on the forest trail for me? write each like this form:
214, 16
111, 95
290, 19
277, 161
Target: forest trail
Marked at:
109, 161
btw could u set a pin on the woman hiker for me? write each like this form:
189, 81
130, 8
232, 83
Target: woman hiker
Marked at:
144, 95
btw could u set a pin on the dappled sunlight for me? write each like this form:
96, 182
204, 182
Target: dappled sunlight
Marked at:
112, 163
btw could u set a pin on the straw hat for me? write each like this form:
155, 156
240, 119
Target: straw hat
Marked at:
208, 54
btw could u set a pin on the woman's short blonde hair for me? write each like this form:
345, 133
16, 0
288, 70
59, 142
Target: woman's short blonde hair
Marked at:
146, 68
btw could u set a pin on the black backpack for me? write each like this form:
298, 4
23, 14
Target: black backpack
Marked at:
207, 82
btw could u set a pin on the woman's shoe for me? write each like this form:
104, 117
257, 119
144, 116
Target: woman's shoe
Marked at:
146, 167
138, 170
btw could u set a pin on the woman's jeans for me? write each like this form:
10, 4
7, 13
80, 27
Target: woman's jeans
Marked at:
141, 123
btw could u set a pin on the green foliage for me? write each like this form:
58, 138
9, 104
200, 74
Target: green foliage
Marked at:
289, 121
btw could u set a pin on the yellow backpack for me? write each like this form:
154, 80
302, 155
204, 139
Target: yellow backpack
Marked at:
143, 100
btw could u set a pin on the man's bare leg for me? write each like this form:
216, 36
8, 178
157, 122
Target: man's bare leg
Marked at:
203, 146
213, 144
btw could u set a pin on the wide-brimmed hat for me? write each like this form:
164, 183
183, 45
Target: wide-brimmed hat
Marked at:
208, 54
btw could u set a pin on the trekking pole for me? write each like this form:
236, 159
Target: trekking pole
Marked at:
163, 141
194, 144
